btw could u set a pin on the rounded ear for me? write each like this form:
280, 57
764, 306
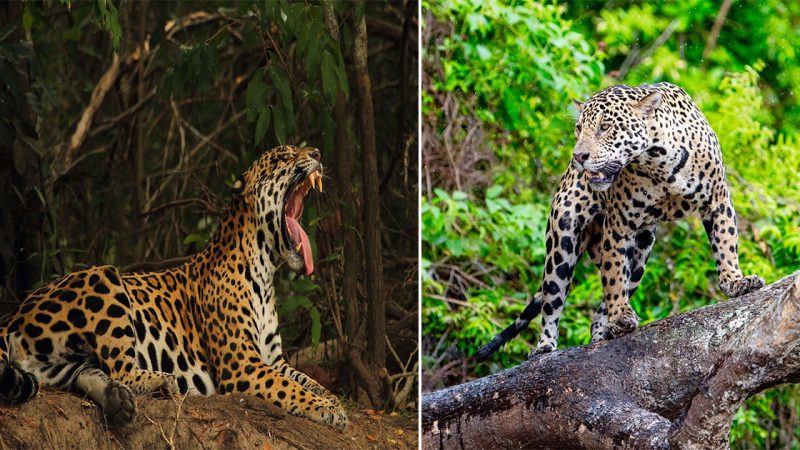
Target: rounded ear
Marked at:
578, 104
238, 186
649, 104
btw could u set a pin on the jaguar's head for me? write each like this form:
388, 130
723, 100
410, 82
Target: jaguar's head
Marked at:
611, 131
275, 187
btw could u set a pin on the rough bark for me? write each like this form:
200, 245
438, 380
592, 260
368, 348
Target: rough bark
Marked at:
675, 383
376, 307
62, 420
351, 261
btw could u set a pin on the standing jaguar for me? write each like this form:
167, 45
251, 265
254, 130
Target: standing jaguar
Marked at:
643, 155
208, 326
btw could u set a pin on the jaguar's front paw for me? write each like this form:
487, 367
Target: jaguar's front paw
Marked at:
742, 286
624, 325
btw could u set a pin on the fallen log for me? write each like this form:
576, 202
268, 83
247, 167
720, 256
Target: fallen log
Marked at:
56, 420
674, 383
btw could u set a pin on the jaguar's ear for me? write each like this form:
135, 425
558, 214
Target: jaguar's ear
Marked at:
238, 186
578, 106
649, 104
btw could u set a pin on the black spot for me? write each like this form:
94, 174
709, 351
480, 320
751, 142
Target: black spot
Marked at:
77, 318
637, 274
111, 276
566, 244
548, 310
94, 279
564, 271
550, 287
94, 303
101, 288
44, 346
102, 327
183, 385
242, 386
166, 362
59, 326
119, 332
260, 238
68, 296
197, 380
122, 299
141, 361
151, 352
43, 318
564, 223
115, 311
33, 331
182, 365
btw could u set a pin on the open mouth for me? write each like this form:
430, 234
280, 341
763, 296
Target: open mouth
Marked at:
601, 177
293, 211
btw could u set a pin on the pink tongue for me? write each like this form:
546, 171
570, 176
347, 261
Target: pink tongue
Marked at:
296, 232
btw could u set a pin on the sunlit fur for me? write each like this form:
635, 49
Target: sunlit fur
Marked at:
208, 326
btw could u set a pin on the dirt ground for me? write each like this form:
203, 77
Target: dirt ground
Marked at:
55, 420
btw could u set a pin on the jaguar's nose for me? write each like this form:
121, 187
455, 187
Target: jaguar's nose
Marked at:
581, 157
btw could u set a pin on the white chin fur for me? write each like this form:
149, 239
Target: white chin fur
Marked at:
294, 260
600, 187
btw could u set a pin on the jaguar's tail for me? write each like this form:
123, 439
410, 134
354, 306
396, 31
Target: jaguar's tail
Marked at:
532, 310
16, 385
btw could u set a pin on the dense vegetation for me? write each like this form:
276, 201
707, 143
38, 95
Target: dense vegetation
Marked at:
124, 124
497, 134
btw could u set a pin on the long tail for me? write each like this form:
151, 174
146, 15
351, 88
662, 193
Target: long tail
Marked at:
532, 310
16, 385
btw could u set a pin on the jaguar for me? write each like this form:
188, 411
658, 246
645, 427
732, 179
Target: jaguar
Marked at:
208, 326
643, 155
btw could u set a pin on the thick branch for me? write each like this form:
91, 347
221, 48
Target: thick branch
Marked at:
630, 392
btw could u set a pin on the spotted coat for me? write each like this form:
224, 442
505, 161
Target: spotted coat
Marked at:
208, 326
643, 155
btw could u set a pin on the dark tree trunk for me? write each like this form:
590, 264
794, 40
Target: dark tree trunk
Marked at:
346, 205
675, 383
376, 307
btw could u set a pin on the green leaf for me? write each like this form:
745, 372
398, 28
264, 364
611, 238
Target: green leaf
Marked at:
316, 326
329, 77
291, 303
256, 96
280, 124
304, 286
194, 237
262, 124
281, 82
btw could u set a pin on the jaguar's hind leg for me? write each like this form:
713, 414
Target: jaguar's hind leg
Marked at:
16, 385
114, 397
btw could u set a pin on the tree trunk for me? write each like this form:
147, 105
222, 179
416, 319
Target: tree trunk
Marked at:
346, 206
376, 307
675, 383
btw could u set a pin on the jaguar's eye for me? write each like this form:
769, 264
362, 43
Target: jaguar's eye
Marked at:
604, 127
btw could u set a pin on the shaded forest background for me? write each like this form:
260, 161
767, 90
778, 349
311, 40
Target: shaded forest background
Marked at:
497, 135
124, 124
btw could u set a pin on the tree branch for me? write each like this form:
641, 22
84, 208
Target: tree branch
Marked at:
675, 383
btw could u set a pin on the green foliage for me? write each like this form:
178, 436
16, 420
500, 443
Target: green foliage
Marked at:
482, 251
